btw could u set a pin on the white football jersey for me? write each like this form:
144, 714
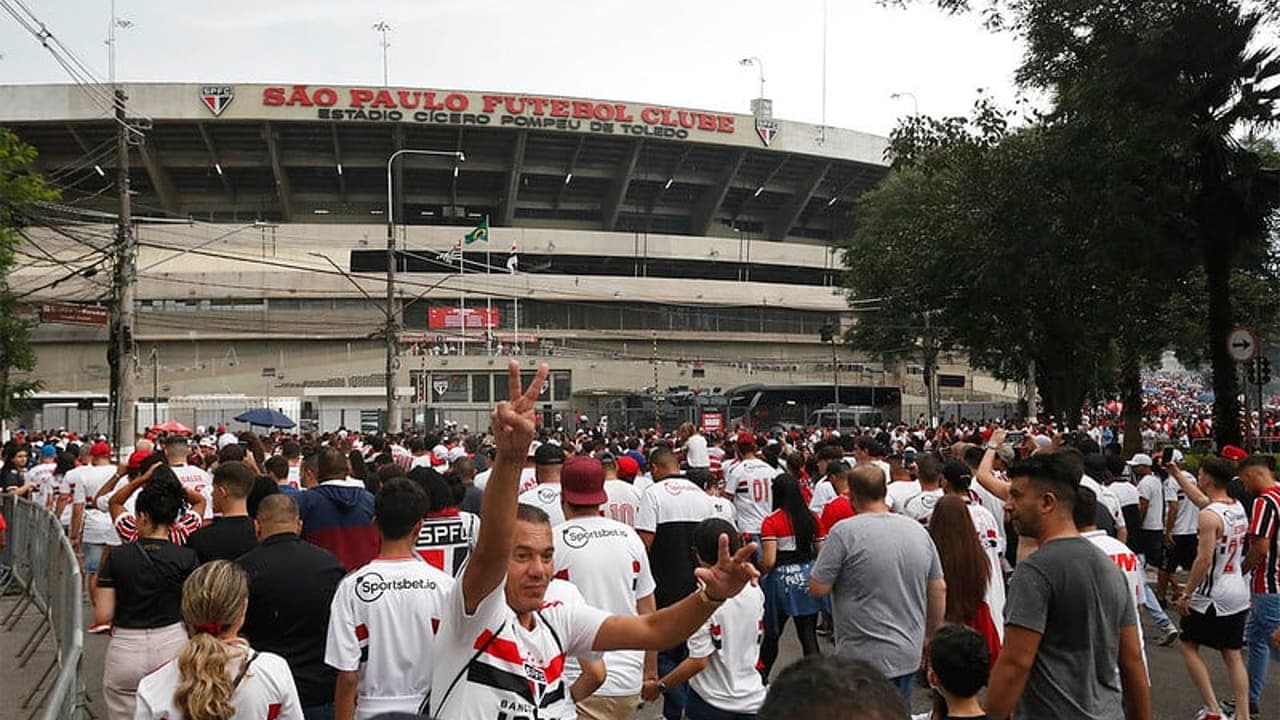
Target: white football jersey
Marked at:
731, 638
993, 545
547, 497
1224, 588
1125, 559
528, 479
383, 624
194, 478
623, 502
266, 691
607, 561
750, 484
447, 538
90, 479
487, 665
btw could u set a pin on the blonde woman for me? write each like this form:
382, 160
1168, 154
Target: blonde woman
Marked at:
217, 675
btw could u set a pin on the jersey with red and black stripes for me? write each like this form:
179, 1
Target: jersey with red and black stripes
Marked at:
488, 665
1265, 526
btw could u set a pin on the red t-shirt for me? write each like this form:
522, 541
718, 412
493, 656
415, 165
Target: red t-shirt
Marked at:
834, 512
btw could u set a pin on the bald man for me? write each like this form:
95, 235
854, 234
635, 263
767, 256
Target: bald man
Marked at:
291, 585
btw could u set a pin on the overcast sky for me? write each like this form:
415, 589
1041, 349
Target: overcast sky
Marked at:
674, 53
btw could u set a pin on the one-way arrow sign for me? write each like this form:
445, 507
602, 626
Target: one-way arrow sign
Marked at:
1242, 344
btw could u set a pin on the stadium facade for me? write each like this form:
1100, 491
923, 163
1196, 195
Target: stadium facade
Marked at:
652, 246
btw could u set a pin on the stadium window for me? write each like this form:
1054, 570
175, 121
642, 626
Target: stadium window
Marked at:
480, 390
561, 386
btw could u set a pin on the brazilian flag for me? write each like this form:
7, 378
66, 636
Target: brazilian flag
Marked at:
481, 232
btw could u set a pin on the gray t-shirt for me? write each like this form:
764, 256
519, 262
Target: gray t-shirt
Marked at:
1077, 599
879, 565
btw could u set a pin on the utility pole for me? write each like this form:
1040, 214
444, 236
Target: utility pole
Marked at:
155, 385
657, 398
126, 259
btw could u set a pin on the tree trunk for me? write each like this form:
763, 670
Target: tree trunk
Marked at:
1131, 396
1226, 405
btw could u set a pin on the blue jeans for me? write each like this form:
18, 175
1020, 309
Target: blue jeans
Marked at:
1264, 618
699, 709
1156, 612
674, 699
905, 684
318, 712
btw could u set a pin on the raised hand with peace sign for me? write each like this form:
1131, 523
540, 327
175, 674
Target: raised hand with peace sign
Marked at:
514, 425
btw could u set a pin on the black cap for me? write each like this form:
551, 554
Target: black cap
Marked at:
548, 454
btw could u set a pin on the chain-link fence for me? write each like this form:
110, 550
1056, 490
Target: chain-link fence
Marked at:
42, 569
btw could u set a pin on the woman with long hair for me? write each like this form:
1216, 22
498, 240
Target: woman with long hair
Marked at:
139, 595
790, 540
14, 472
965, 569
217, 676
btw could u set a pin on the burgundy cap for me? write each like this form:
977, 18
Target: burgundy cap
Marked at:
582, 481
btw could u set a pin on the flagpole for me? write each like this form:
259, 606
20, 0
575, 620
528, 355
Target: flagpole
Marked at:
488, 292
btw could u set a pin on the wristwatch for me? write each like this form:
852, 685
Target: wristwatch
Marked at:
662, 687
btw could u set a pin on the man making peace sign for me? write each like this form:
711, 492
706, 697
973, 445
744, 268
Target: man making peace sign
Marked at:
501, 647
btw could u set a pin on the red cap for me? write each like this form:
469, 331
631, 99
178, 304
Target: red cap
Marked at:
628, 468
135, 460
746, 441
582, 481
100, 449
1233, 453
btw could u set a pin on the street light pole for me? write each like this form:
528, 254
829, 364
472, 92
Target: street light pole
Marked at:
759, 64
393, 407
382, 27
915, 104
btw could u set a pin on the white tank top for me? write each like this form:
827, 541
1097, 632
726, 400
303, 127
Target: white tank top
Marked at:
1224, 588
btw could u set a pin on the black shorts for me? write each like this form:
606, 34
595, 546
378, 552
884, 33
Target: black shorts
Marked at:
1182, 555
1150, 545
1211, 631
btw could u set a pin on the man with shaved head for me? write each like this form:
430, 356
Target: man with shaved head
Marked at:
291, 585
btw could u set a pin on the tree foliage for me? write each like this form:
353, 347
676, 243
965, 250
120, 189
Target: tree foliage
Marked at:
1087, 238
19, 188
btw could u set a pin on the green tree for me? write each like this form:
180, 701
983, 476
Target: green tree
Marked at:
1156, 93
20, 187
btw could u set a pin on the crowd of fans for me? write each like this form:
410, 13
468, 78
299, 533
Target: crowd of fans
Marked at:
519, 573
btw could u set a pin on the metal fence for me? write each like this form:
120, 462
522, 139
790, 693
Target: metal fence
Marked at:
46, 577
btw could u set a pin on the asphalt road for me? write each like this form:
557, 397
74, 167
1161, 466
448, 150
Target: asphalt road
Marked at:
1174, 697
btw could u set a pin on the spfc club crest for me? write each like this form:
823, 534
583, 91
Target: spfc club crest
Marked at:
217, 97
767, 130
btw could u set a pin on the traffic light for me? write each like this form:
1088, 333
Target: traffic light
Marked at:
1264, 371
827, 332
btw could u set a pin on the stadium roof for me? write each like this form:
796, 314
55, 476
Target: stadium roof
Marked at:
318, 153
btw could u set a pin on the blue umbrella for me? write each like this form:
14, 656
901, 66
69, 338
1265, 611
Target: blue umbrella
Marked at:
265, 417
1206, 398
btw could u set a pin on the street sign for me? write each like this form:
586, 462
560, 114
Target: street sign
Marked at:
1242, 344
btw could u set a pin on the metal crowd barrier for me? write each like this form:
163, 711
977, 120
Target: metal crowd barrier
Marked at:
45, 575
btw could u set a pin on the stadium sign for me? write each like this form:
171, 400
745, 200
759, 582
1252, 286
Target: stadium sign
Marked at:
436, 107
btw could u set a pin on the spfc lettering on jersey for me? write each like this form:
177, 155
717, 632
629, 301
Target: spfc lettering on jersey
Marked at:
217, 97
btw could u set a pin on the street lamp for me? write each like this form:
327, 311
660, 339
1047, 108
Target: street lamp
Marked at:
393, 406
915, 104
382, 27
759, 64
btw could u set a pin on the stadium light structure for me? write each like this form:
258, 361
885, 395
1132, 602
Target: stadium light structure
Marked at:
393, 405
